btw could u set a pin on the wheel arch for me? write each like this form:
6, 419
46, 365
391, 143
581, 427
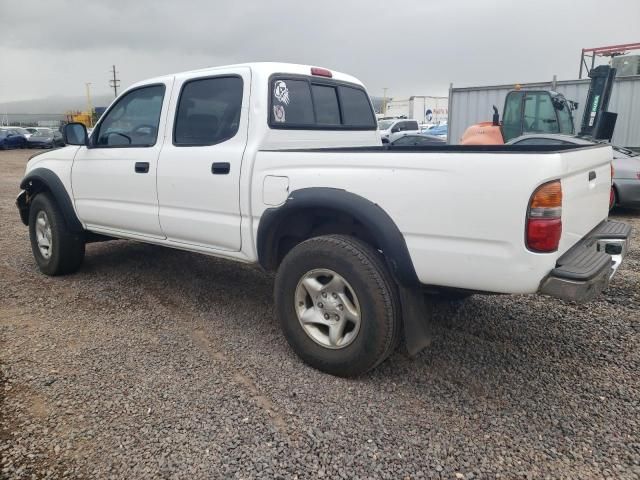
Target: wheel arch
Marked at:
377, 227
45, 180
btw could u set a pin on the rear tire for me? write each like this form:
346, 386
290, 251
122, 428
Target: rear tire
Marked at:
346, 276
57, 250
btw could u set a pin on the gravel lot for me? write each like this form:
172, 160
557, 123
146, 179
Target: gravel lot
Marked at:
154, 363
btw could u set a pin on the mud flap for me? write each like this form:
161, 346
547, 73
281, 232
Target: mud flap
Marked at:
418, 329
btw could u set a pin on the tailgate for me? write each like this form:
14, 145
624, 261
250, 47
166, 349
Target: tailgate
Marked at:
586, 187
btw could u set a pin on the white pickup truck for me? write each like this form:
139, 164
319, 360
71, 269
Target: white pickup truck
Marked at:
281, 165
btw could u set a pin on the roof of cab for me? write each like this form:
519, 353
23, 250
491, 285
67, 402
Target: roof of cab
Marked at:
266, 68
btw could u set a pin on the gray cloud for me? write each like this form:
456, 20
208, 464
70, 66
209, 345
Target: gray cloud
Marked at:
412, 47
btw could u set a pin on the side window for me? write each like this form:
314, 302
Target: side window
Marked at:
356, 109
291, 103
564, 115
401, 126
404, 141
512, 121
412, 125
325, 100
134, 120
208, 111
539, 114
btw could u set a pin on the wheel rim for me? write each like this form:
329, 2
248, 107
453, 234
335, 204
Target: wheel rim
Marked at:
328, 309
43, 234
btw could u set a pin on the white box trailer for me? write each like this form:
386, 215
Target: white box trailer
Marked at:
424, 109
470, 105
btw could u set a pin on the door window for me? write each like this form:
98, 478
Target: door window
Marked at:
208, 111
565, 118
134, 120
512, 121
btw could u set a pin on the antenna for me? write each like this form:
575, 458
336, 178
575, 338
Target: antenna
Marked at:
114, 82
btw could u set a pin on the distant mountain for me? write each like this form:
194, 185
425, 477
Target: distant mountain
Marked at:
52, 105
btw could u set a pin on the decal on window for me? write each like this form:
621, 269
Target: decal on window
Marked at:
281, 92
278, 113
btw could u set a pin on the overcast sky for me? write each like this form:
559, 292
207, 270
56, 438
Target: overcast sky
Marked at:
52, 47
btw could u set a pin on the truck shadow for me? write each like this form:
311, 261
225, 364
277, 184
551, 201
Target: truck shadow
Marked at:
504, 351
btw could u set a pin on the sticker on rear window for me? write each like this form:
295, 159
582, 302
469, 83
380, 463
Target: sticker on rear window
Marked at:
281, 92
278, 113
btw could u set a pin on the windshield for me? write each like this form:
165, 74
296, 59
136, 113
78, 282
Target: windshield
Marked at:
385, 124
21, 131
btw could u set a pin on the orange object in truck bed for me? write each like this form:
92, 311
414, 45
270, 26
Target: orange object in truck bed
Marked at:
483, 133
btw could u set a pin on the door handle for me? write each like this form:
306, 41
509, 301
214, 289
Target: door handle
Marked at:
142, 167
220, 168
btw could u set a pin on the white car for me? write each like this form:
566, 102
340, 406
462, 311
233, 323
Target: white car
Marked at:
281, 165
391, 130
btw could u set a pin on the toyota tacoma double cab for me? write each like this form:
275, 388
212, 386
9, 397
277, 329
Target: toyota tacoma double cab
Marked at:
281, 165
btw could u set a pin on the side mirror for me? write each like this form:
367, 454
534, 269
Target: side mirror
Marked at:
75, 134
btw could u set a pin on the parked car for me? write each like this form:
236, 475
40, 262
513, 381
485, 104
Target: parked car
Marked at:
45, 138
356, 235
10, 138
415, 140
20, 130
626, 165
437, 131
395, 128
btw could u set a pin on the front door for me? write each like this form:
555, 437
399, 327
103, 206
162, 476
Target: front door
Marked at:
114, 180
199, 169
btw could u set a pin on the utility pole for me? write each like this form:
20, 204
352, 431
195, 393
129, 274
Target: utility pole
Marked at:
384, 101
114, 82
89, 105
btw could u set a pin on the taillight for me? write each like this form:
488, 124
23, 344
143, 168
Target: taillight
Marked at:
613, 171
321, 72
544, 218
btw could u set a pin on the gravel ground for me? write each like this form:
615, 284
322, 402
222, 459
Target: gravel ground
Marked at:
155, 363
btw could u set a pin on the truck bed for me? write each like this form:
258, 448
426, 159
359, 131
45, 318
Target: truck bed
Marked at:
461, 209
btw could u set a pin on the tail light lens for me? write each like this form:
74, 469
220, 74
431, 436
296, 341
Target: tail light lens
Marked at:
544, 218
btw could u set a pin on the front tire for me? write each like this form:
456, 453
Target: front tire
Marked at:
338, 305
57, 250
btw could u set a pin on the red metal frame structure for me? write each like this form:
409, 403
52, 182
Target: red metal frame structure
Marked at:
610, 51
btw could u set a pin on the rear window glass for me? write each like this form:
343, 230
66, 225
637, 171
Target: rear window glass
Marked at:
356, 109
326, 101
318, 104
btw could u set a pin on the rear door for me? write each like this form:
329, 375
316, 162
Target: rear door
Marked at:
199, 167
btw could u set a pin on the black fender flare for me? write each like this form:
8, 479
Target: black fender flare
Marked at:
44, 179
370, 215
417, 328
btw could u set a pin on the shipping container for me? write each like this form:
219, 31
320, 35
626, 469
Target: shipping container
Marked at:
470, 105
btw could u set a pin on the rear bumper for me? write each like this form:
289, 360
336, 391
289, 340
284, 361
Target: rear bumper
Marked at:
628, 192
584, 271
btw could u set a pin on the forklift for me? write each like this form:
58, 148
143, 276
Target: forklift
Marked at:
546, 111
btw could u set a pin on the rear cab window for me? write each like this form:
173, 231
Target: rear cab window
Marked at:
310, 103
